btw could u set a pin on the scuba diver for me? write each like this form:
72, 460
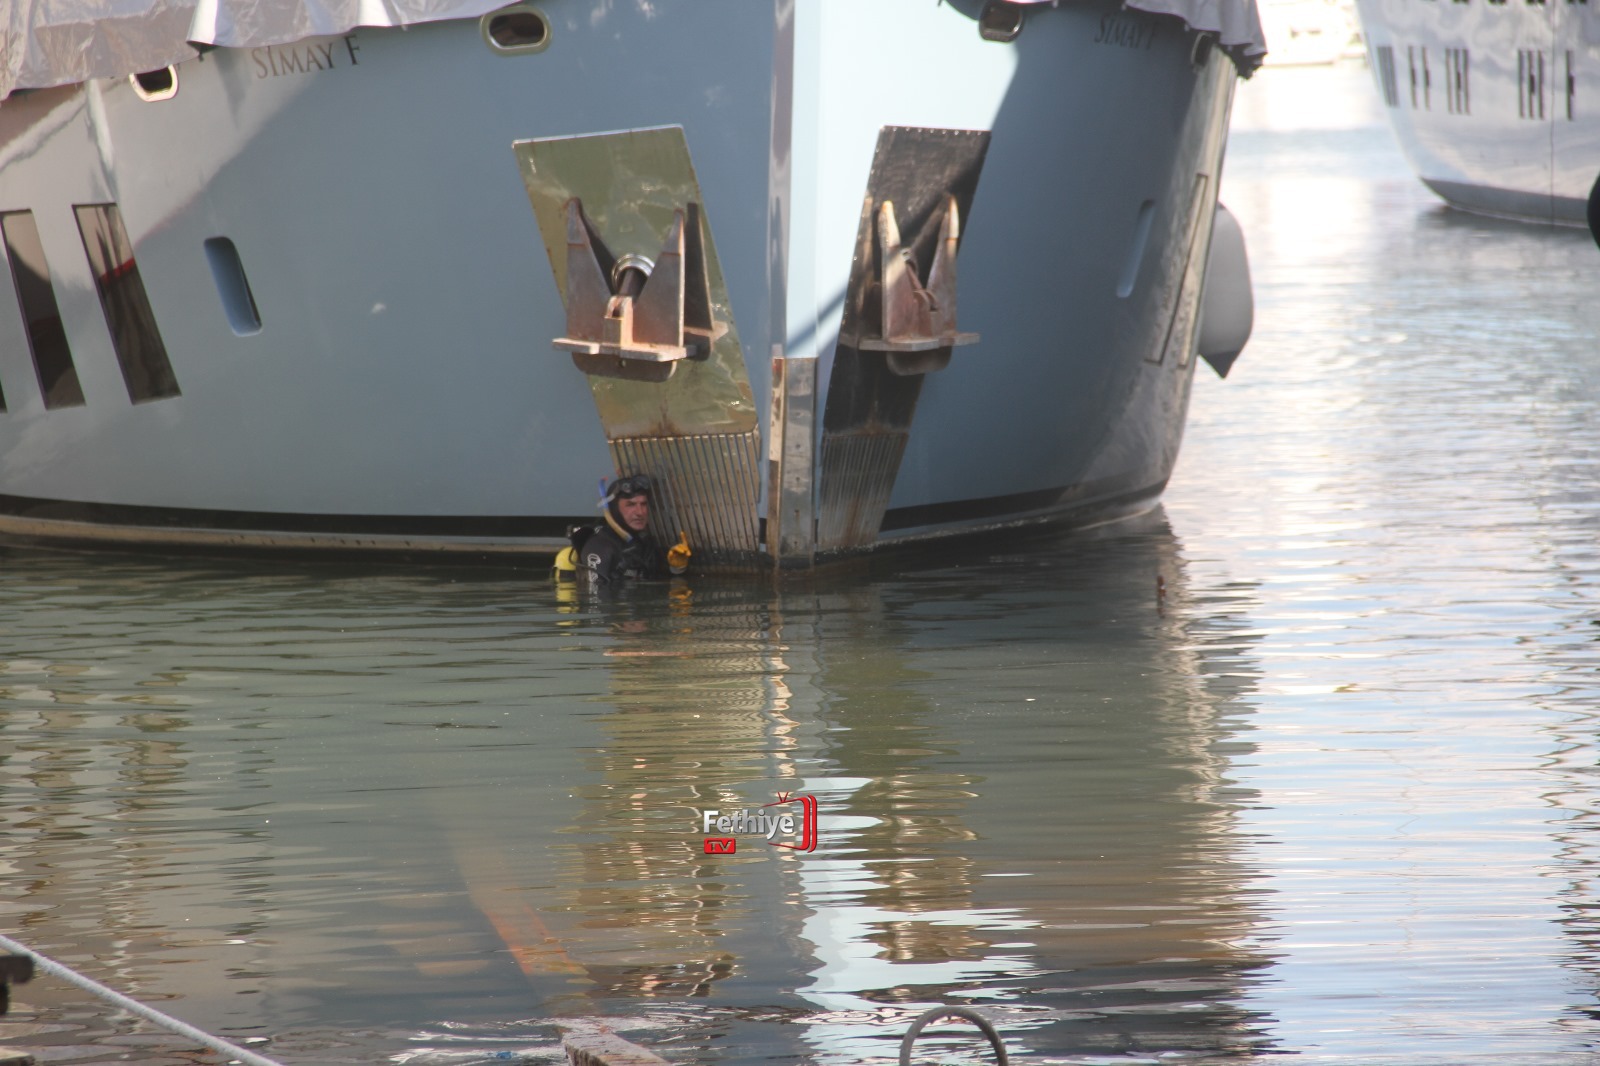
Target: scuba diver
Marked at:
622, 547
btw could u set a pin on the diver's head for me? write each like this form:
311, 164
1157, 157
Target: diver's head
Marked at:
628, 502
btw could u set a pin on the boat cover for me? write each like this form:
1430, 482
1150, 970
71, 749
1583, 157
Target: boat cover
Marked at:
56, 42
1236, 23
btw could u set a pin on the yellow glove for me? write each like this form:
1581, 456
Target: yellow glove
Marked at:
678, 554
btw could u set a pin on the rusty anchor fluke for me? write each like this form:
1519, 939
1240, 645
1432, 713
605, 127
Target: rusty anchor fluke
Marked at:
917, 326
628, 317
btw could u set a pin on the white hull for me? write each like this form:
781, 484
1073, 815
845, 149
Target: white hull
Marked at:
1497, 106
401, 390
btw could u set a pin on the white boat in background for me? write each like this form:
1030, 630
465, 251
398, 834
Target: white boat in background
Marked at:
1304, 33
1496, 104
374, 275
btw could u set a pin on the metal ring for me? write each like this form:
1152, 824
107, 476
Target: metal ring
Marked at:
935, 1014
630, 261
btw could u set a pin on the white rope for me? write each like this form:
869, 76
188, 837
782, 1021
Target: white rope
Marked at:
133, 1006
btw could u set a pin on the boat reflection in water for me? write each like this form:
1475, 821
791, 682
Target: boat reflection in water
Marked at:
389, 841
1049, 838
1058, 850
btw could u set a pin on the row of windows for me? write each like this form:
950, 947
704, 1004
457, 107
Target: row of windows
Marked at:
1530, 3
1531, 95
141, 355
1531, 83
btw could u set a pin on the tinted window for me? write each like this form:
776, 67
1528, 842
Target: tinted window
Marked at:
143, 358
52, 357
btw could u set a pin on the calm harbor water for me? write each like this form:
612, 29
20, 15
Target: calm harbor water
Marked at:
1301, 765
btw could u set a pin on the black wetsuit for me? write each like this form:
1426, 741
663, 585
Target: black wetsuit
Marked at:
609, 559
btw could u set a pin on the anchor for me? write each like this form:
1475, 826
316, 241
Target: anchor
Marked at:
917, 321
630, 318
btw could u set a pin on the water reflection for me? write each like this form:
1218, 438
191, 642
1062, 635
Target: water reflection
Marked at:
1414, 490
1028, 754
380, 814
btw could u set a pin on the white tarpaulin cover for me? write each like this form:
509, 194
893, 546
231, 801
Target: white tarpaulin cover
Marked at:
1236, 23
56, 42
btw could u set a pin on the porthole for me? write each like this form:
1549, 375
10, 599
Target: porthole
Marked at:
233, 286
1000, 21
516, 30
1141, 237
155, 84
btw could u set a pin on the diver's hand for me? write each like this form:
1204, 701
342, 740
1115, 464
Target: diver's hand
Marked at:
678, 554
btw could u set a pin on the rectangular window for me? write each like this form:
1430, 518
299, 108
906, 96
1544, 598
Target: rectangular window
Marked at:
1457, 71
47, 338
1572, 85
1386, 75
1530, 83
1538, 85
145, 368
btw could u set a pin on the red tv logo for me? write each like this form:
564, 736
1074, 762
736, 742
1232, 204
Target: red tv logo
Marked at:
808, 821
794, 828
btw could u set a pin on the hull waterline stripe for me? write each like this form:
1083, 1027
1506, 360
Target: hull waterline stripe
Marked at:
59, 520
193, 518
1022, 504
1511, 203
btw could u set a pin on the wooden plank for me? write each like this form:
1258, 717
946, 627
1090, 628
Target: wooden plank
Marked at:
601, 1047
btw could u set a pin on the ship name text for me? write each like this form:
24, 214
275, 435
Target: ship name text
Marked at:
306, 57
1126, 31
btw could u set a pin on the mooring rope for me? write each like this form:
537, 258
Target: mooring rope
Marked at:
133, 1006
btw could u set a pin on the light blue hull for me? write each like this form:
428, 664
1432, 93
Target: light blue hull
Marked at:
398, 387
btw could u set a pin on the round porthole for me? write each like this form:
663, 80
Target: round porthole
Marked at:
516, 30
155, 84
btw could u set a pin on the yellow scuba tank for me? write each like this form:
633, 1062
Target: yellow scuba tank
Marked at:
565, 567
